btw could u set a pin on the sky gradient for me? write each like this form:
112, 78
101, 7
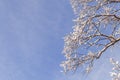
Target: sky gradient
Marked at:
31, 43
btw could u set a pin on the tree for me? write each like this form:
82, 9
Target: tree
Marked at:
97, 28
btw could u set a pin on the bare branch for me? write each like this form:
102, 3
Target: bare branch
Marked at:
106, 47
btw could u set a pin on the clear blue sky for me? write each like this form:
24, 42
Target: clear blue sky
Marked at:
31, 33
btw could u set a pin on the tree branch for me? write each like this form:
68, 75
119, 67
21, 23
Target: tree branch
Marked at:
114, 1
106, 47
109, 16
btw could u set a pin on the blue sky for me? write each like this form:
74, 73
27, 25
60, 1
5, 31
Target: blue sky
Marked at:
31, 43
31, 33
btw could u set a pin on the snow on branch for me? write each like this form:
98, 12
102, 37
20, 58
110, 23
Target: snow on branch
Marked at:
97, 28
115, 74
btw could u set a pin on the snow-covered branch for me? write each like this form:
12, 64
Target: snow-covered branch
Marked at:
115, 74
97, 28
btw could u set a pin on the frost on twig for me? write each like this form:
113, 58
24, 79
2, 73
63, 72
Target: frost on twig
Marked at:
96, 28
74, 62
115, 74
